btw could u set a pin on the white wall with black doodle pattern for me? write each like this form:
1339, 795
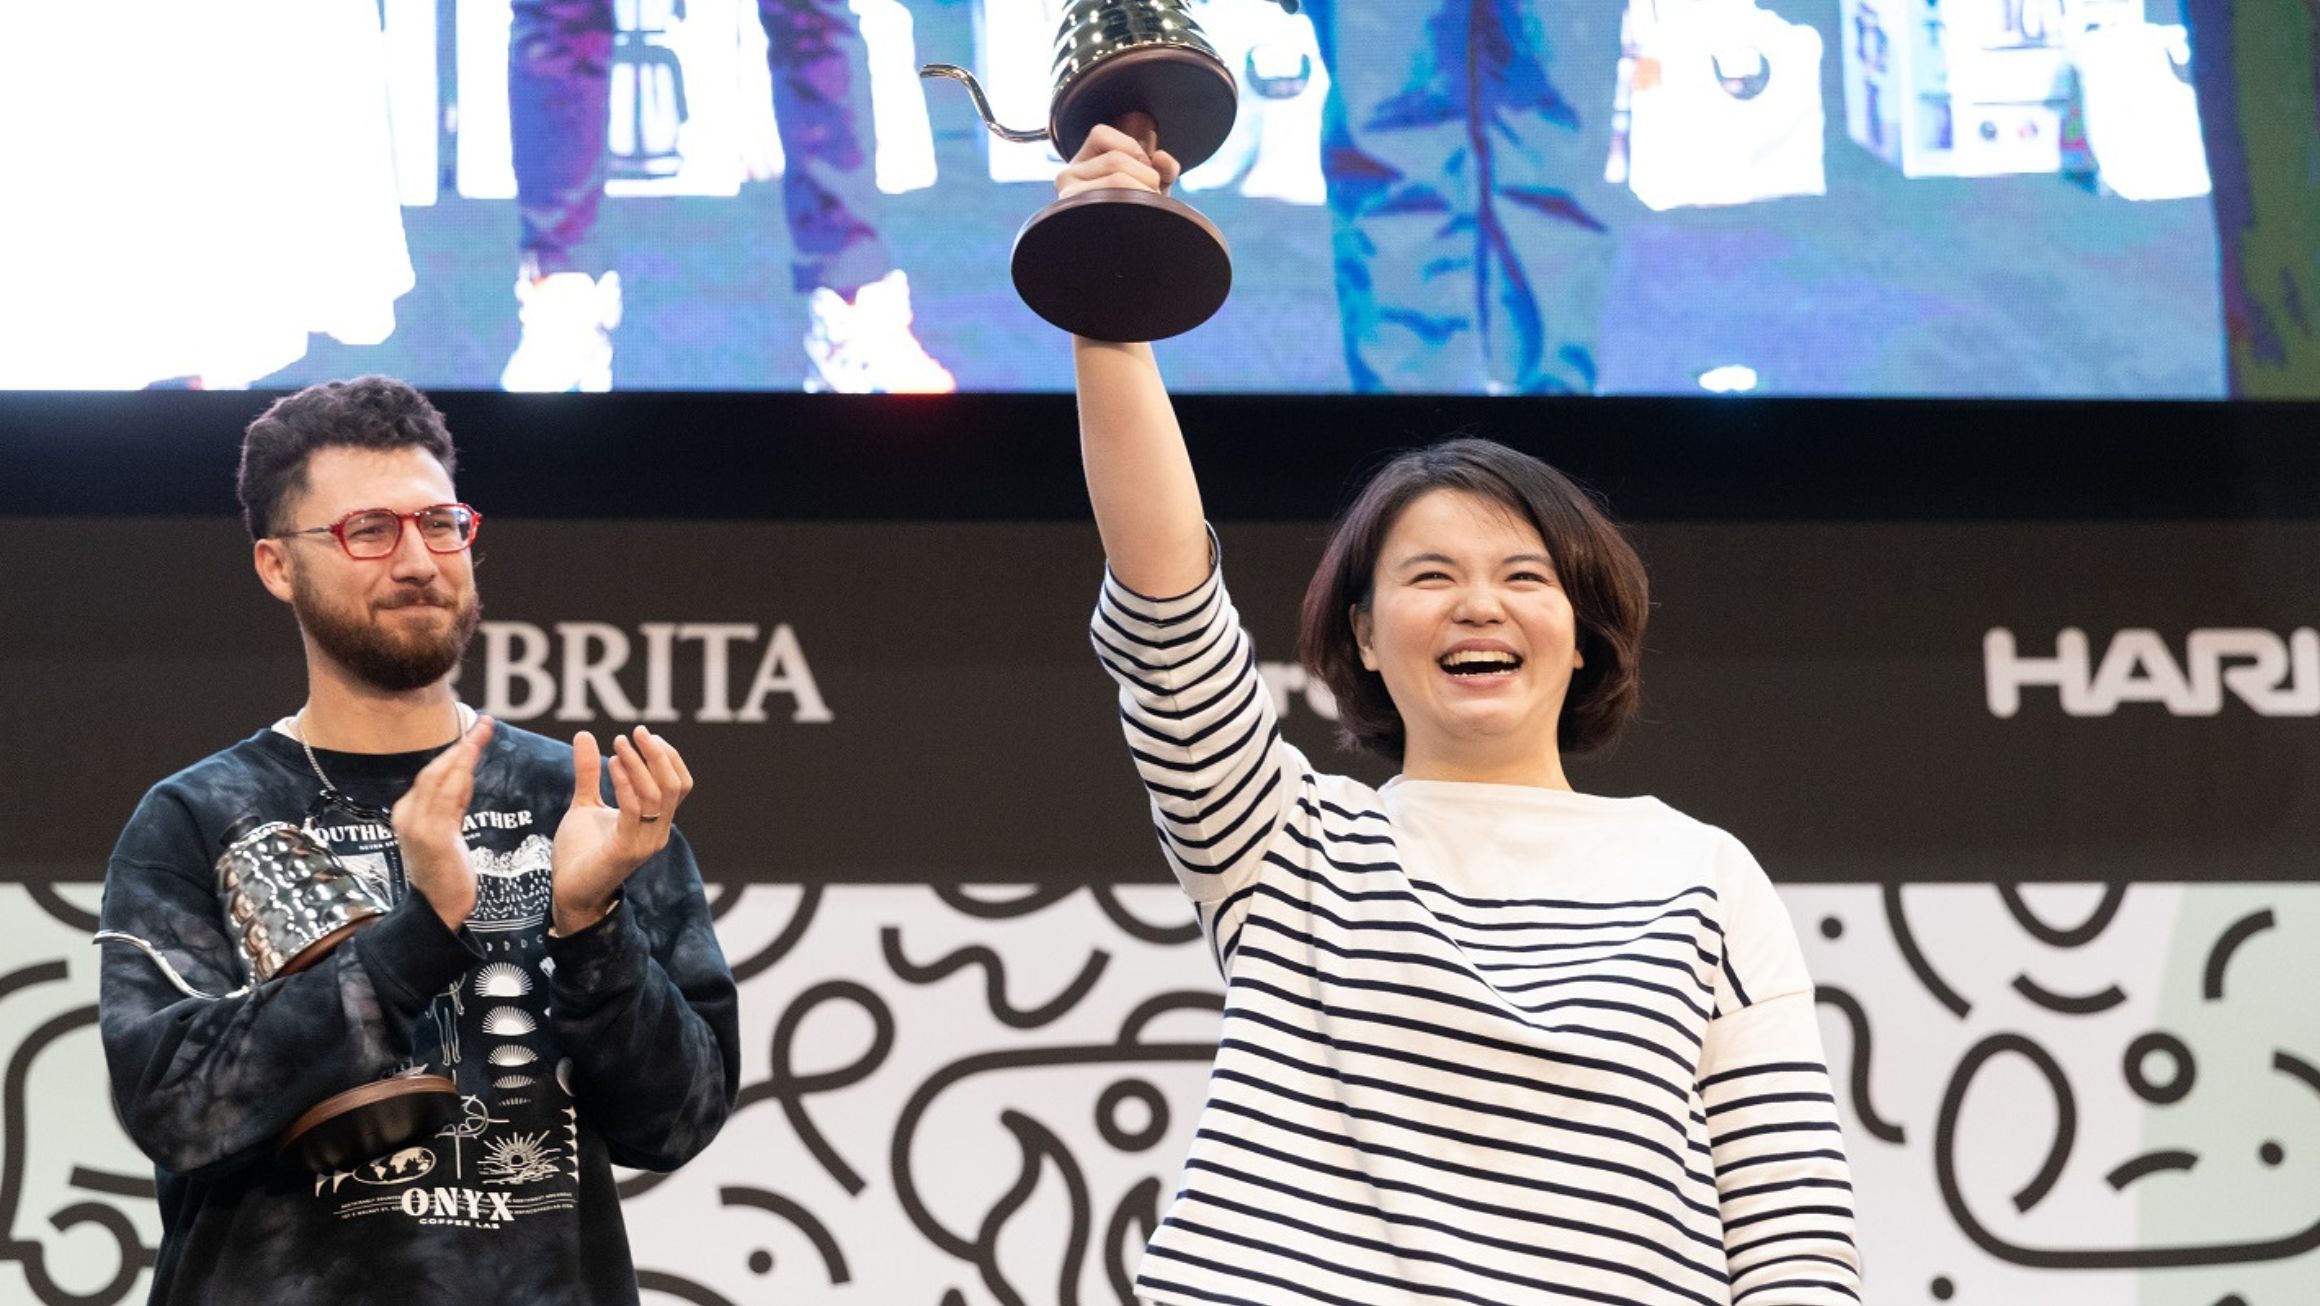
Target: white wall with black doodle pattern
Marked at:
2076, 1094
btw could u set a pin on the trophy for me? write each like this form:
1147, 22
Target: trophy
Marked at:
1145, 67
289, 902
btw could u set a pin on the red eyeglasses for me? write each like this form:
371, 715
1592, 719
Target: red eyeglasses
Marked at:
374, 532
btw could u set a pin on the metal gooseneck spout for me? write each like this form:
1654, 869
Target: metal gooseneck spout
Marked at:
116, 936
982, 102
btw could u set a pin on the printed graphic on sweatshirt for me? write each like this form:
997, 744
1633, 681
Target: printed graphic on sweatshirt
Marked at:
514, 1150
512, 889
366, 848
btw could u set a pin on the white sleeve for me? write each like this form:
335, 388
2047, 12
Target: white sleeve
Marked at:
1782, 1183
1201, 727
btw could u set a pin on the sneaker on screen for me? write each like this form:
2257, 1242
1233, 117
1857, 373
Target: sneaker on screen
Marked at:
567, 320
867, 347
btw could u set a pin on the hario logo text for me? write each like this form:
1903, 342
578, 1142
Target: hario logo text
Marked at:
519, 684
2272, 675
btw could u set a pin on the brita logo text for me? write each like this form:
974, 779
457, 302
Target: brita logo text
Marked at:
730, 672
2271, 675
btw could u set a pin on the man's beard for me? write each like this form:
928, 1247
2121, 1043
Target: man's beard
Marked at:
378, 656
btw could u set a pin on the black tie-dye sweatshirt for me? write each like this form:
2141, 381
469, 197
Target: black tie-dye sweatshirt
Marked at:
616, 1045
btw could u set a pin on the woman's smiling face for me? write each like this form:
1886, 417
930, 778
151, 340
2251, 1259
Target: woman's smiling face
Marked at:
1471, 630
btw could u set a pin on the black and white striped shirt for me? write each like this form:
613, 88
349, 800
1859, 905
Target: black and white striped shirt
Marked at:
1482, 1043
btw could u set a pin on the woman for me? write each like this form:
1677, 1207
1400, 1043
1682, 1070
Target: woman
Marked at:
1485, 1039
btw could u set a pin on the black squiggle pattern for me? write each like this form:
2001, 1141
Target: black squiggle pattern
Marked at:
1883, 1130
2288, 1063
1121, 1137
136, 1258
53, 903
906, 1184
994, 979
800, 920
13, 1109
32, 1255
2073, 1258
2149, 1163
1037, 1144
47, 972
784, 1085
1038, 898
1137, 927
2067, 1004
1897, 919
1945, 1128
1125, 1171
1160, 1004
2114, 893
2219, 956
115, 1185
1132, 1224
817, 1233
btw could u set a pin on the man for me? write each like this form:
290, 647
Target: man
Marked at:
859, 340
548, 950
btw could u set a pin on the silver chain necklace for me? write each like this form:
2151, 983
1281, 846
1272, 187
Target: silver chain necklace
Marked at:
336, 796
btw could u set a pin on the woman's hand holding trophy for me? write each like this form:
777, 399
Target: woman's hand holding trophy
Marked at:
1126, 157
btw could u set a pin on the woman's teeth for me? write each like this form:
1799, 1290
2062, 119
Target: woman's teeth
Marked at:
1479, 662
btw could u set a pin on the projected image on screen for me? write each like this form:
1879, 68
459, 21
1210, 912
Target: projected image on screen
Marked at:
1818, 197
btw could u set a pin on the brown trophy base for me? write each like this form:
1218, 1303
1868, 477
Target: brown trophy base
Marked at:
346, 1129
1122, 265
320, 948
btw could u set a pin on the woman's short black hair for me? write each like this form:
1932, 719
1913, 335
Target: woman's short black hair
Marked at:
1594, 562
368, 412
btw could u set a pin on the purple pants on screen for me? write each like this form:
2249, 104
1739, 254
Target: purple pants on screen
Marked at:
559, 93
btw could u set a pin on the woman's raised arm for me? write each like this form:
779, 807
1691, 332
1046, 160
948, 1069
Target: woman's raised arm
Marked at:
1147, 503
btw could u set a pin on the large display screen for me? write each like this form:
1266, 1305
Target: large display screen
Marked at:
1809, 197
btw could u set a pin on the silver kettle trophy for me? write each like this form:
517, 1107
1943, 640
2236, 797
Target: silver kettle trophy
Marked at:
1126, 265
288, 902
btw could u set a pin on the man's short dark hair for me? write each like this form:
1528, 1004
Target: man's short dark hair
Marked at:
1594, 562
369, 412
